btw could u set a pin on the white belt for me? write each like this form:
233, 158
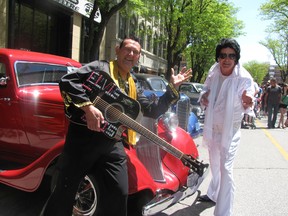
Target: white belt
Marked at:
218, 128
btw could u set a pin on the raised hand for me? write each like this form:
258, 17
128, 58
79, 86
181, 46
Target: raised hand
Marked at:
247, 100
204, 99
184, 75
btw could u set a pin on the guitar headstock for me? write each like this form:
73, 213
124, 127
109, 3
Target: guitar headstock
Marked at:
192, 163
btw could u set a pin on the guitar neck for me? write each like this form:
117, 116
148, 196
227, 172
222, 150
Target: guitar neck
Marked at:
122, 118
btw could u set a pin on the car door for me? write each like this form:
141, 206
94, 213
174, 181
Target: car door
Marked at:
11, 130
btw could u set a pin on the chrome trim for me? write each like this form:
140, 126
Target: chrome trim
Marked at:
44, 116
183, 111
160, 202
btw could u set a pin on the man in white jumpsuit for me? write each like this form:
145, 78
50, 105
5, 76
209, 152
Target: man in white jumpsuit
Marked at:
228, 92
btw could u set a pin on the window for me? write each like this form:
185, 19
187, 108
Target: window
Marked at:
158, 85
31, 73
187, 88
155, 44
142, 34
149, 40
39, 27
122, 26
133, 26
2, 70
144, 85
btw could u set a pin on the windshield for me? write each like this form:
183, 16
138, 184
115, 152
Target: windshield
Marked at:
158, 84
32, 73
192, 88
199, 86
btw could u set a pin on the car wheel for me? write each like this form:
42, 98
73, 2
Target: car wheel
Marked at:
87, 197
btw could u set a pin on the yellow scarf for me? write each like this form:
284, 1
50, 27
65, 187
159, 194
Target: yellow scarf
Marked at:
132, 93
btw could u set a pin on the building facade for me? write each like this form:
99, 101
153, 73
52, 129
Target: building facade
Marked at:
56, 27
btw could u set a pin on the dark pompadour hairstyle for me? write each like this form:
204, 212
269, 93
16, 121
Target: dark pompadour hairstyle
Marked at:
132, 37
231, 43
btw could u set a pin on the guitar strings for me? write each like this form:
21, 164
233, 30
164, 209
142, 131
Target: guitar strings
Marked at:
131, 123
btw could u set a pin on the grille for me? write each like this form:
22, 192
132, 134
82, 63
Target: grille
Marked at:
149, 153
182, 111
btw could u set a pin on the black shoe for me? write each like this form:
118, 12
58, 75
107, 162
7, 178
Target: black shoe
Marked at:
204, 198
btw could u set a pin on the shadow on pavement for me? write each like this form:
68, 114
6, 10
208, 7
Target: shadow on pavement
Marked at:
195, 209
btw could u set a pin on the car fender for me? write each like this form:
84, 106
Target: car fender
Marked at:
182, 141
30, 177
138, 176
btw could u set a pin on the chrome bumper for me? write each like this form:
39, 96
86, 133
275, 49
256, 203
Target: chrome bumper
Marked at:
163, 201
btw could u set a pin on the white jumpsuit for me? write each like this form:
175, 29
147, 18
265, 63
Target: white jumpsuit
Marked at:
221, 134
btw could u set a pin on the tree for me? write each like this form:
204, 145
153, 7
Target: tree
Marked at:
210, 20
277, 11
198, 25
279, 51
192, 29
95, 31
171, 14
257, 70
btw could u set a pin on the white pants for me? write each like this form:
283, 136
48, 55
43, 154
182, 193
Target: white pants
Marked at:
221, 188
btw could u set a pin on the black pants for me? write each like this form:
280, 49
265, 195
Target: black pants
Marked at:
84, 151
272, 110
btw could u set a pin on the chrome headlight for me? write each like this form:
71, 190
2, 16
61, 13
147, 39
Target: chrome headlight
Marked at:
169, 121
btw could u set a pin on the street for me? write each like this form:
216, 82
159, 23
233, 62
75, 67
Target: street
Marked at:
260, 172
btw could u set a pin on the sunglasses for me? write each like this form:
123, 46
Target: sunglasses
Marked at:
231, 56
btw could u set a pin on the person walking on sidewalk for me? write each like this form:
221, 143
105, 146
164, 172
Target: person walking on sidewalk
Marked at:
272, 102
228, 91
283, 107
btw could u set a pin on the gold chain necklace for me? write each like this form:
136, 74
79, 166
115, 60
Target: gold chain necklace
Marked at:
122, 83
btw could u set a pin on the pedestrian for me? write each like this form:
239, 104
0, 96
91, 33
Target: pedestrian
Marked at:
272, 102
258, 102
87, 148
263, 107
250, 114
283, 107
228, 91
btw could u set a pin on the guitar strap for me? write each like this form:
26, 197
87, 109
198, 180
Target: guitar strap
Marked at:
132, 93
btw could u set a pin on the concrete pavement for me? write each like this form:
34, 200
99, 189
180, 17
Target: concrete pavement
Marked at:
260, 173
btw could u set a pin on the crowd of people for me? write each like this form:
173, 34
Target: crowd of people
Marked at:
271, 99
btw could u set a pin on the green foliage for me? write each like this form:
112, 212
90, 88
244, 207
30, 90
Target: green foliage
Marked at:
257, 70
209, 21
95, 31
276, 10
277, 43
188, 28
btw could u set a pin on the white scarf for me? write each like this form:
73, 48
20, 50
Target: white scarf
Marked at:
233, 88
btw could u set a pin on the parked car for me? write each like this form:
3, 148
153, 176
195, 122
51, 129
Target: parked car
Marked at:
155, 85
32, 135
193, 90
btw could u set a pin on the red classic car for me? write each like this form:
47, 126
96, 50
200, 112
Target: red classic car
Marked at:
32, 134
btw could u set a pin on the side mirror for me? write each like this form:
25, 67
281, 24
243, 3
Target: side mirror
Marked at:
3, 81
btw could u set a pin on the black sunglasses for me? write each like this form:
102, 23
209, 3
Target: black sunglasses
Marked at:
231, 56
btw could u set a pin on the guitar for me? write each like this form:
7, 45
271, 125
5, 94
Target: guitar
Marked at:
121, 112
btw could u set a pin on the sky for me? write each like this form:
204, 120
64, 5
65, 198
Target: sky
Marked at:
249, 13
